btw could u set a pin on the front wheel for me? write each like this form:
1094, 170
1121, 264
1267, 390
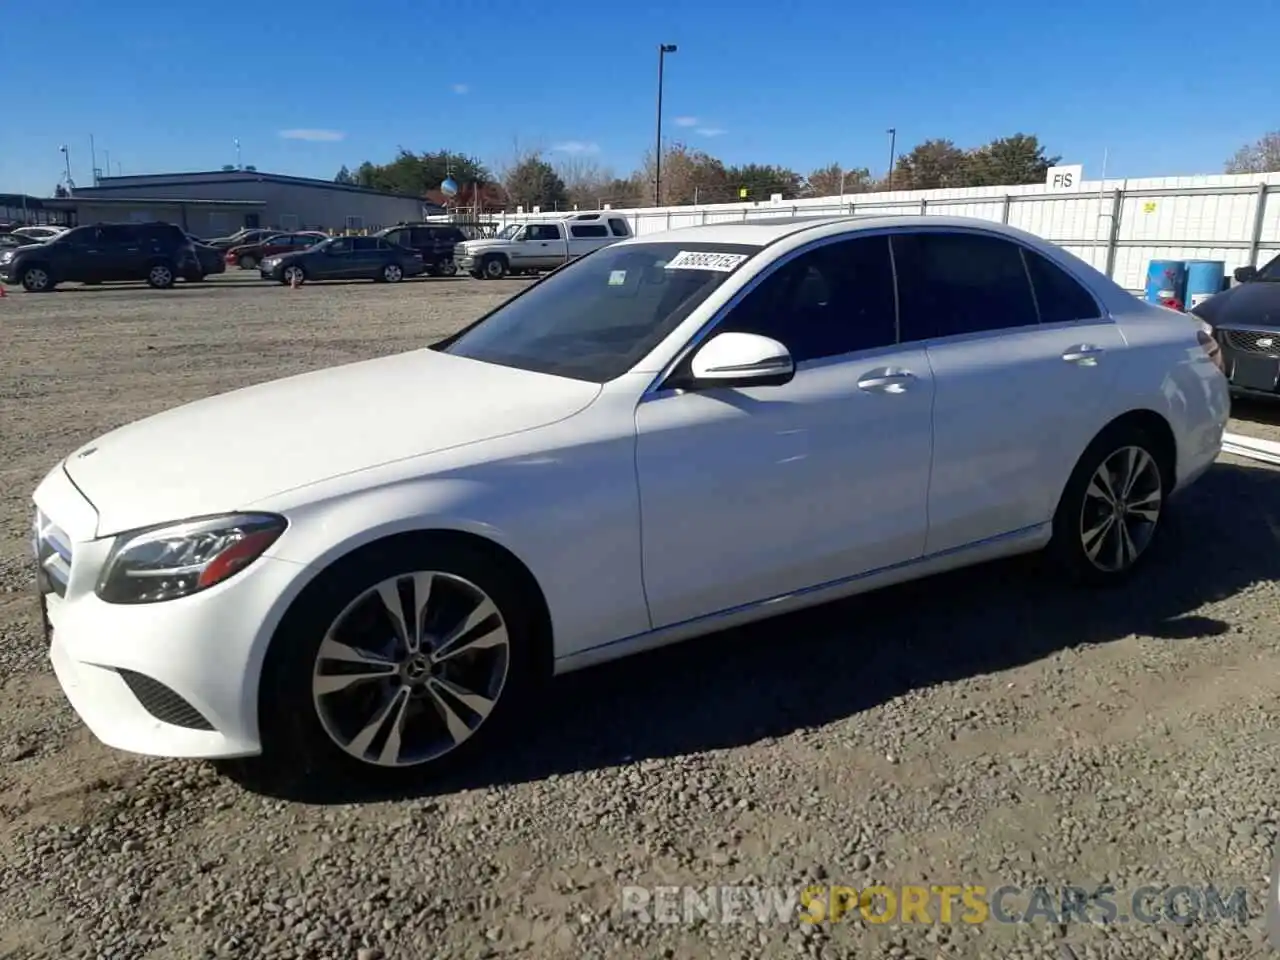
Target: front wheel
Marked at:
1112, 507
293, 276
36, 280
494, 268
395, 664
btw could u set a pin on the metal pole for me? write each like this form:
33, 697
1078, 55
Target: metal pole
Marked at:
238, 166
93, 159
893, 152
663, 50
66, 156
107, 162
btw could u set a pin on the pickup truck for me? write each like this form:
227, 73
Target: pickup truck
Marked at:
530, 246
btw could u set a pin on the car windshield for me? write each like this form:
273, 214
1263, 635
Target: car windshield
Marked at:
1271, 272
599, 316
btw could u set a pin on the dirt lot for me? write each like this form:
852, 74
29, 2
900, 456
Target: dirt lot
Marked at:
983, 728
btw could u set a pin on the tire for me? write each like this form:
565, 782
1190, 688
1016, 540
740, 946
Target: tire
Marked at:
288, 273
247, 262
1092, 543
37, 279
315, 722
446, 268
476, 274
160, 276
391, 273
494, 267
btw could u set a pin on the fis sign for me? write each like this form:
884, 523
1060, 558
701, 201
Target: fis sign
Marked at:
1065, 178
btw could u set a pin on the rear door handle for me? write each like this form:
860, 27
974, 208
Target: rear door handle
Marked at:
888, 380
1083, 353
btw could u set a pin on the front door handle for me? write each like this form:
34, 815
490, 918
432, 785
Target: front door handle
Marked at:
888, 380
1085, 354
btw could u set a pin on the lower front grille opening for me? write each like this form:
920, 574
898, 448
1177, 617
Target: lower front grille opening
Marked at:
162, 703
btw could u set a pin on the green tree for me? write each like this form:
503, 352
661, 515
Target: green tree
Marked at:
761, 181
931, 165
419, 173
1008, 161
833, 180
344, 176
534, 183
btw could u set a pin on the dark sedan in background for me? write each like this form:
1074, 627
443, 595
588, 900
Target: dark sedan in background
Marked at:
344, 258
1246, 323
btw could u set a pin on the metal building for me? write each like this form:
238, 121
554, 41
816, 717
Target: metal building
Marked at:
250, 198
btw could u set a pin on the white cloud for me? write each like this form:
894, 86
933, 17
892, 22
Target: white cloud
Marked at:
314, 136
576, 146
686, 121
461, 88
711, 131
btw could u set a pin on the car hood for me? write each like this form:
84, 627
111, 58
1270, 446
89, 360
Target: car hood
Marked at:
472, 246
1255, 304
229, 451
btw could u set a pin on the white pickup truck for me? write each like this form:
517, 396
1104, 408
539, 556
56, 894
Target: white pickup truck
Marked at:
531, 245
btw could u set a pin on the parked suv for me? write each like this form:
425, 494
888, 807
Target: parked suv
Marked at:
155, 252
434, 241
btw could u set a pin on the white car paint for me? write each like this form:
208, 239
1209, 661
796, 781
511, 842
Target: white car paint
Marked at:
645, 515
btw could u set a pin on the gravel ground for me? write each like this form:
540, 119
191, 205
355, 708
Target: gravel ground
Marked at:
986, 727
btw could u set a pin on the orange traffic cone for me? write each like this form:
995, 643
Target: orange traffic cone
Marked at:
2, 293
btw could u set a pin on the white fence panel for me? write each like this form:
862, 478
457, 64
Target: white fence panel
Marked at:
1235, 219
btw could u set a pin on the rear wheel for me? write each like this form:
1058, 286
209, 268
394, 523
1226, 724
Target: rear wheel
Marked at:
160, 276
1112, 508
248, 262
392, 273
447, 268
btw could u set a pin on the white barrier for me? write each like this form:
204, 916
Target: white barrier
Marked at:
1265, 451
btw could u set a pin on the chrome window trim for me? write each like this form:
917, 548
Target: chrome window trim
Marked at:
655, 387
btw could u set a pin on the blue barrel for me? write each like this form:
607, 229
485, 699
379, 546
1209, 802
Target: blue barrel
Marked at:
1167, 283
1204, 279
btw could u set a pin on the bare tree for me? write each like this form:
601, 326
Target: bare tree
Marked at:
585, 180
834, 180
1260, 157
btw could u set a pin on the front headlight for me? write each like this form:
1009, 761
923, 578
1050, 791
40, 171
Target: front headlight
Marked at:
176, 560
271, 262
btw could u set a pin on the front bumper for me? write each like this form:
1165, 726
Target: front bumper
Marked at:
171, 679
271, 273
1251, 358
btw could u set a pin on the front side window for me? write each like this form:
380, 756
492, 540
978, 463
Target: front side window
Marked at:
954, 283
599, 316
835, 299
340, 246
364, 244
1271, 272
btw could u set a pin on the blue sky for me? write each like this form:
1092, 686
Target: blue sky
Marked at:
1168, 88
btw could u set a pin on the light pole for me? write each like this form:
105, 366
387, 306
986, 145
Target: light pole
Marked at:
238, 165
893, 150
66, 157
663, 50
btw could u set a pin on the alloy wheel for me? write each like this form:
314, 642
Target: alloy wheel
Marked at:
411, 668
392, 273
160, 276
1121, 509
293, 275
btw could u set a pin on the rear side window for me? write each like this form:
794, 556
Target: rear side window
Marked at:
954, 283
117, 233
589, 230
619, 227
1060, 298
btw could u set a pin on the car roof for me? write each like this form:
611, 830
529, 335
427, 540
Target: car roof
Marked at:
766, 230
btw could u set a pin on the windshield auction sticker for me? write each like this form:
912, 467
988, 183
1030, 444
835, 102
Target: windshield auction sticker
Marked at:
704, 260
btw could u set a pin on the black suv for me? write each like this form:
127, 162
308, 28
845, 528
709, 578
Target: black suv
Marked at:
434, 241
155, 252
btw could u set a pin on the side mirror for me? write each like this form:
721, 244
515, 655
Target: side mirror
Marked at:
1245, 274
742, 360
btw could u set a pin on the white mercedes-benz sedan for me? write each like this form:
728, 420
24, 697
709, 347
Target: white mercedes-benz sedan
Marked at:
371, 568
